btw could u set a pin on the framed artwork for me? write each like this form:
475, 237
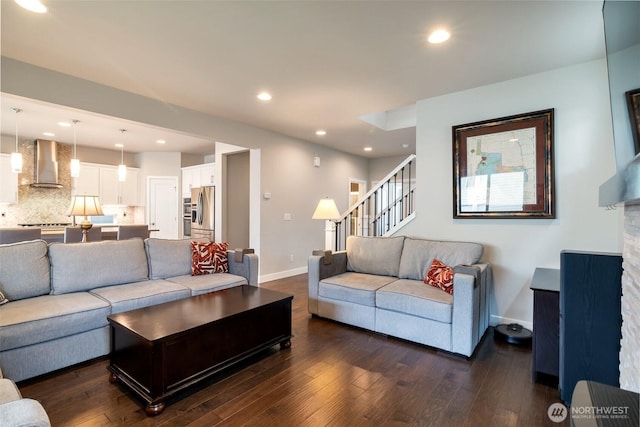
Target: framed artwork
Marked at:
503, 168
633, 104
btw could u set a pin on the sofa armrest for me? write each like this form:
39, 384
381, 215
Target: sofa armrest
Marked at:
248, 268
318, 269
23, 412
470, 306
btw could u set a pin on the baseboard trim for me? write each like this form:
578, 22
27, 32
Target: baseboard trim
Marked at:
499, 320
281, 274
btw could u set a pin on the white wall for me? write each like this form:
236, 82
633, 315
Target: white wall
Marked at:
379, 168
584, 159
296, 186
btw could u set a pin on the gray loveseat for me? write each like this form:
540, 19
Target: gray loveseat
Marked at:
377, 284
61, 294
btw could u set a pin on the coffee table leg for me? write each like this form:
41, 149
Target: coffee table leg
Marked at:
113, 378
285, 344
154, 409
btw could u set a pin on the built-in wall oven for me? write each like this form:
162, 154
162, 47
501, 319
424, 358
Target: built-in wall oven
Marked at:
187, 210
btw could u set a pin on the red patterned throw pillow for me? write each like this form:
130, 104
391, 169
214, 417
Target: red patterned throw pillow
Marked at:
209, 257
440, 276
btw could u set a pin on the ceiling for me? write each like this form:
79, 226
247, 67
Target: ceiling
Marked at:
326, 63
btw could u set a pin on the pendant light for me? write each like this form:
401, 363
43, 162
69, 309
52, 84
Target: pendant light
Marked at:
75, 162
122, 168
16, 157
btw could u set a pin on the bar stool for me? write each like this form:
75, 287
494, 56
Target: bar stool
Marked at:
74, 234
131, 231
19, 234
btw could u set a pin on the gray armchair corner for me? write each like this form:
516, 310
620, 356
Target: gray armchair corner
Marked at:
16, 411
244, 262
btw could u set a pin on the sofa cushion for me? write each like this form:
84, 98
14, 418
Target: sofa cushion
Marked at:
48, 317
140, 294
418, 254
358, 288
24, 270
209, 257
374, 255
413, 297
169, 257
85, 266
209, 282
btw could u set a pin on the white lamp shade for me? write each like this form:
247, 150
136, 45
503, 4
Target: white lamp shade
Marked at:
122, 172
16, 162
326, 209
75, 168
85, 206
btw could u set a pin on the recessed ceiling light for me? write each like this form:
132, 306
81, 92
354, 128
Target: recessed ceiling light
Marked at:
438, 36
64, 124
321, 132
32, 5
119, 145
161, 141
264, 96
48, 134
368, 149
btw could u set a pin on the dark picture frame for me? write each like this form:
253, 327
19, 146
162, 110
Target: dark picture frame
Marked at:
503, 168
633, 105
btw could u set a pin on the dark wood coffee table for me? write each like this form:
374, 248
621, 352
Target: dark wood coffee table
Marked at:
160, 350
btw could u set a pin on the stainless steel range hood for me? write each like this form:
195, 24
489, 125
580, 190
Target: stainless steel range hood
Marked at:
46, 164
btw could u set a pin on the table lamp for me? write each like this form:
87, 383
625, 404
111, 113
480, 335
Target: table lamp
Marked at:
85, 206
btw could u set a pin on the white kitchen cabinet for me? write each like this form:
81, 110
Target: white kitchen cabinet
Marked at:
130, 189
197, 176
8, 181
109, 186
207, 172
188, 180
89, 180
102, 180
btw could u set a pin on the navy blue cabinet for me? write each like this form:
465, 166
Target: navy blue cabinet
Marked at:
590, 319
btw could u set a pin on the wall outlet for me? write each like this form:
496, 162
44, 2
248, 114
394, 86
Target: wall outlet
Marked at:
291, 257
286, 217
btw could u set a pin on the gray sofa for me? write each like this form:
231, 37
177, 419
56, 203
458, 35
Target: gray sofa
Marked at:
61, 294
377, 284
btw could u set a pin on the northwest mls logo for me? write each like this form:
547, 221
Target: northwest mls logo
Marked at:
557, 412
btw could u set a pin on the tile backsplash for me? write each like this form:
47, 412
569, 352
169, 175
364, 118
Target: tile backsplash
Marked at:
49, 205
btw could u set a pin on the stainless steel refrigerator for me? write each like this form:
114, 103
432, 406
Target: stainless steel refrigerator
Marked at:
203, 212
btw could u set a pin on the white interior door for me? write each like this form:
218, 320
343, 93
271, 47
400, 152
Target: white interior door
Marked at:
163, 206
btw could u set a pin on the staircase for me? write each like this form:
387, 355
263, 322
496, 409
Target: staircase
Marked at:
385, 209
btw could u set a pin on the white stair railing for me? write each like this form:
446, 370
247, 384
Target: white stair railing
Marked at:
385, 208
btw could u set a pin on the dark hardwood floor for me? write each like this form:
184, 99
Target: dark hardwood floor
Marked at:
333, 375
